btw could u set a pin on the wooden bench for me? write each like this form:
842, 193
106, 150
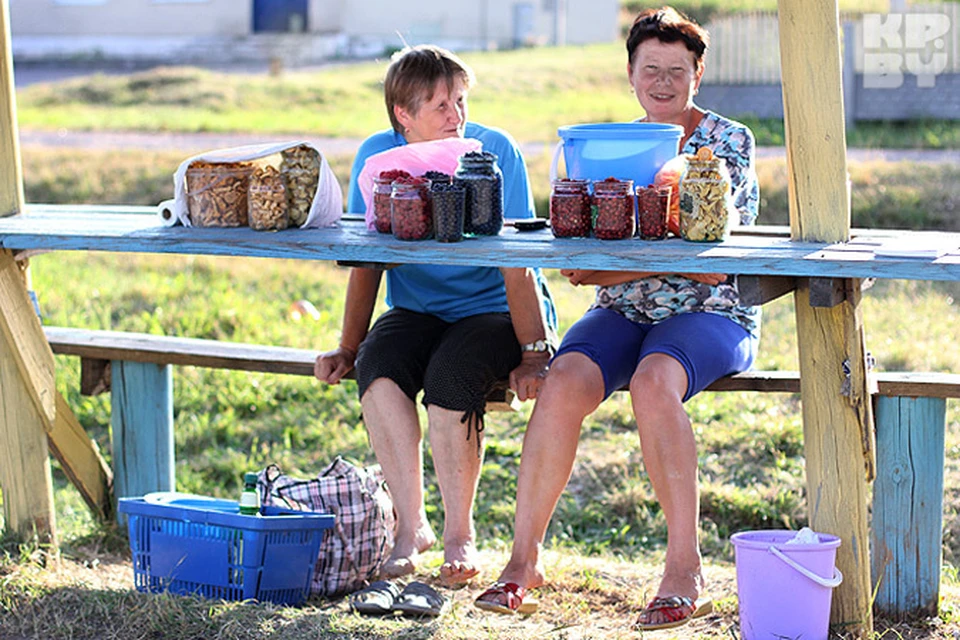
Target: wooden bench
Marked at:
910, 415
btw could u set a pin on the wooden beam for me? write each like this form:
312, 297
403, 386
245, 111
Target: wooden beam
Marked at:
81, 461
11, 174
28, 346
24, 459
837, 412
907, 525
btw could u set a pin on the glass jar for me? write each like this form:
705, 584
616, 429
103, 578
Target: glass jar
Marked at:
267, 200
411, 209
653, 209
706, 207
217, 194
614, 202
570, 212
449, 206
382, 188
482, 180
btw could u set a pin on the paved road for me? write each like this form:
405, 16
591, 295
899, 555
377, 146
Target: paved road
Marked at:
197, 142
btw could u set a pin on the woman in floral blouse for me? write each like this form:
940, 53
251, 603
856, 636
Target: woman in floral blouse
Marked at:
666, 335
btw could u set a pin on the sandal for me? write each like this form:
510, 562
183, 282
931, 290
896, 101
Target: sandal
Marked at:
420, 600
674, 611
506, 597
376, 599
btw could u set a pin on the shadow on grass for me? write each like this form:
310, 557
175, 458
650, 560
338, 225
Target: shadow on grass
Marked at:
77, 612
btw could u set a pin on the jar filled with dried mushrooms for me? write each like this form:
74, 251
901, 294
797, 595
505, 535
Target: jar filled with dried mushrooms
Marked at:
217, 193
267, 200
300, 167
707, 213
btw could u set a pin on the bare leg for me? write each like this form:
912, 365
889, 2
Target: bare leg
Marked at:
394, 428
573, 390
458, 472
670, 457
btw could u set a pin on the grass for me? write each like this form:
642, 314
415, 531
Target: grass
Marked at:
528, 92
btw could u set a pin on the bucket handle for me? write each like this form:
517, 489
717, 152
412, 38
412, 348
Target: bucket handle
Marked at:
823, 582
556, 159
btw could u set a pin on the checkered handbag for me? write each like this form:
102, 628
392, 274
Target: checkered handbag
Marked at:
361, 540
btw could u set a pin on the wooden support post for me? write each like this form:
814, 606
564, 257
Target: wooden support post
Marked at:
837, 412
141, 423
11, 174
907, 525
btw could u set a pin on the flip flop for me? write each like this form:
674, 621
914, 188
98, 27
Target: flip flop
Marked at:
420, 600
677, 611
377, 599
506, 597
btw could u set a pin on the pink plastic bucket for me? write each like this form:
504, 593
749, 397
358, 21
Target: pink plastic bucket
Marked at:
784, 590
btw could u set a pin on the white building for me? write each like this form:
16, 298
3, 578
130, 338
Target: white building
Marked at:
298, 31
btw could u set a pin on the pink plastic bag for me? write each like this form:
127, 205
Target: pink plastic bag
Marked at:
416, 159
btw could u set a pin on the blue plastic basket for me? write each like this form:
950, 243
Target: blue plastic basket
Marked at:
209, 549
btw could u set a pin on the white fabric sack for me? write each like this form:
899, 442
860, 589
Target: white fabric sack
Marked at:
327, 205
416, 158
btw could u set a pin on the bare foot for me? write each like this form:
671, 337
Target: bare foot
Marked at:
406, 550
528, 576
460, 563
679, 599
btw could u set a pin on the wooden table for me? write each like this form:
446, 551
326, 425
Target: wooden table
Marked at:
751, 250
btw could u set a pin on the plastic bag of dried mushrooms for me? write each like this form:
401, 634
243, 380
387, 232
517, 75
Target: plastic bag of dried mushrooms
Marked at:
265, 187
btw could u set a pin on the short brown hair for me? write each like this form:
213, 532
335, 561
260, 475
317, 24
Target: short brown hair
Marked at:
413, 75
668, 25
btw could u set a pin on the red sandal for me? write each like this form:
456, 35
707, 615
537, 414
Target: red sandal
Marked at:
673, 611
506, 597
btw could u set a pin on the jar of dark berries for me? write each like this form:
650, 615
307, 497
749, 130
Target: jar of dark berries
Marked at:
480, 175
449, 206
411, 209
653, 208
382, 188
570, 212
614, 201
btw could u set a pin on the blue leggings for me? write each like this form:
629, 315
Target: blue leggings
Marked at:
707, 345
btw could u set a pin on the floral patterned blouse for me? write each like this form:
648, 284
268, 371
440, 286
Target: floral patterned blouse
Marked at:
654, 299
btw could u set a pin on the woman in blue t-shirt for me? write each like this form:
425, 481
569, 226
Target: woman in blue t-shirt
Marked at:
451, 331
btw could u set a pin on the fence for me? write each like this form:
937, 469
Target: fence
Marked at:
745, 48
902, 66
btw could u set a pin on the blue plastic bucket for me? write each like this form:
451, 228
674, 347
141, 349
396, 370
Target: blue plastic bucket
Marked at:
784, 590
625, 150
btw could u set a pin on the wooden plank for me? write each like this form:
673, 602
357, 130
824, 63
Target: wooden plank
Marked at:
142, 347
836, 407
24, 336
906, 531
749, 253
81, 461
11, 173
141, 434
759, 290
24, 460
93, 345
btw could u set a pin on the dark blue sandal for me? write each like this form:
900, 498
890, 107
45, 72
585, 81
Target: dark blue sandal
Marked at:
375, 600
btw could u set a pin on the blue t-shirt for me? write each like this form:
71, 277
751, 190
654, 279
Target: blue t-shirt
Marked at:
454, 292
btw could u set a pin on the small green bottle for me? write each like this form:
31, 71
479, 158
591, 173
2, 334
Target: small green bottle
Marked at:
249, 498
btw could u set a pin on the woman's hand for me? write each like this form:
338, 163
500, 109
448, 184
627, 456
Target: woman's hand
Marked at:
576, 276
331, 366
527, 378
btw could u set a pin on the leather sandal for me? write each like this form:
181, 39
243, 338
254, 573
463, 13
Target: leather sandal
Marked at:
673, 611
506, 597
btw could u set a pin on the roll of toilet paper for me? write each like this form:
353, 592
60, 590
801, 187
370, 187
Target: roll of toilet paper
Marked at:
167, 213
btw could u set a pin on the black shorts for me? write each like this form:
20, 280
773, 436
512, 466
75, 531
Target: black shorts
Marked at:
456, 364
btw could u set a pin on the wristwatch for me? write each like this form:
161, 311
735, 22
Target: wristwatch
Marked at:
540, 346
